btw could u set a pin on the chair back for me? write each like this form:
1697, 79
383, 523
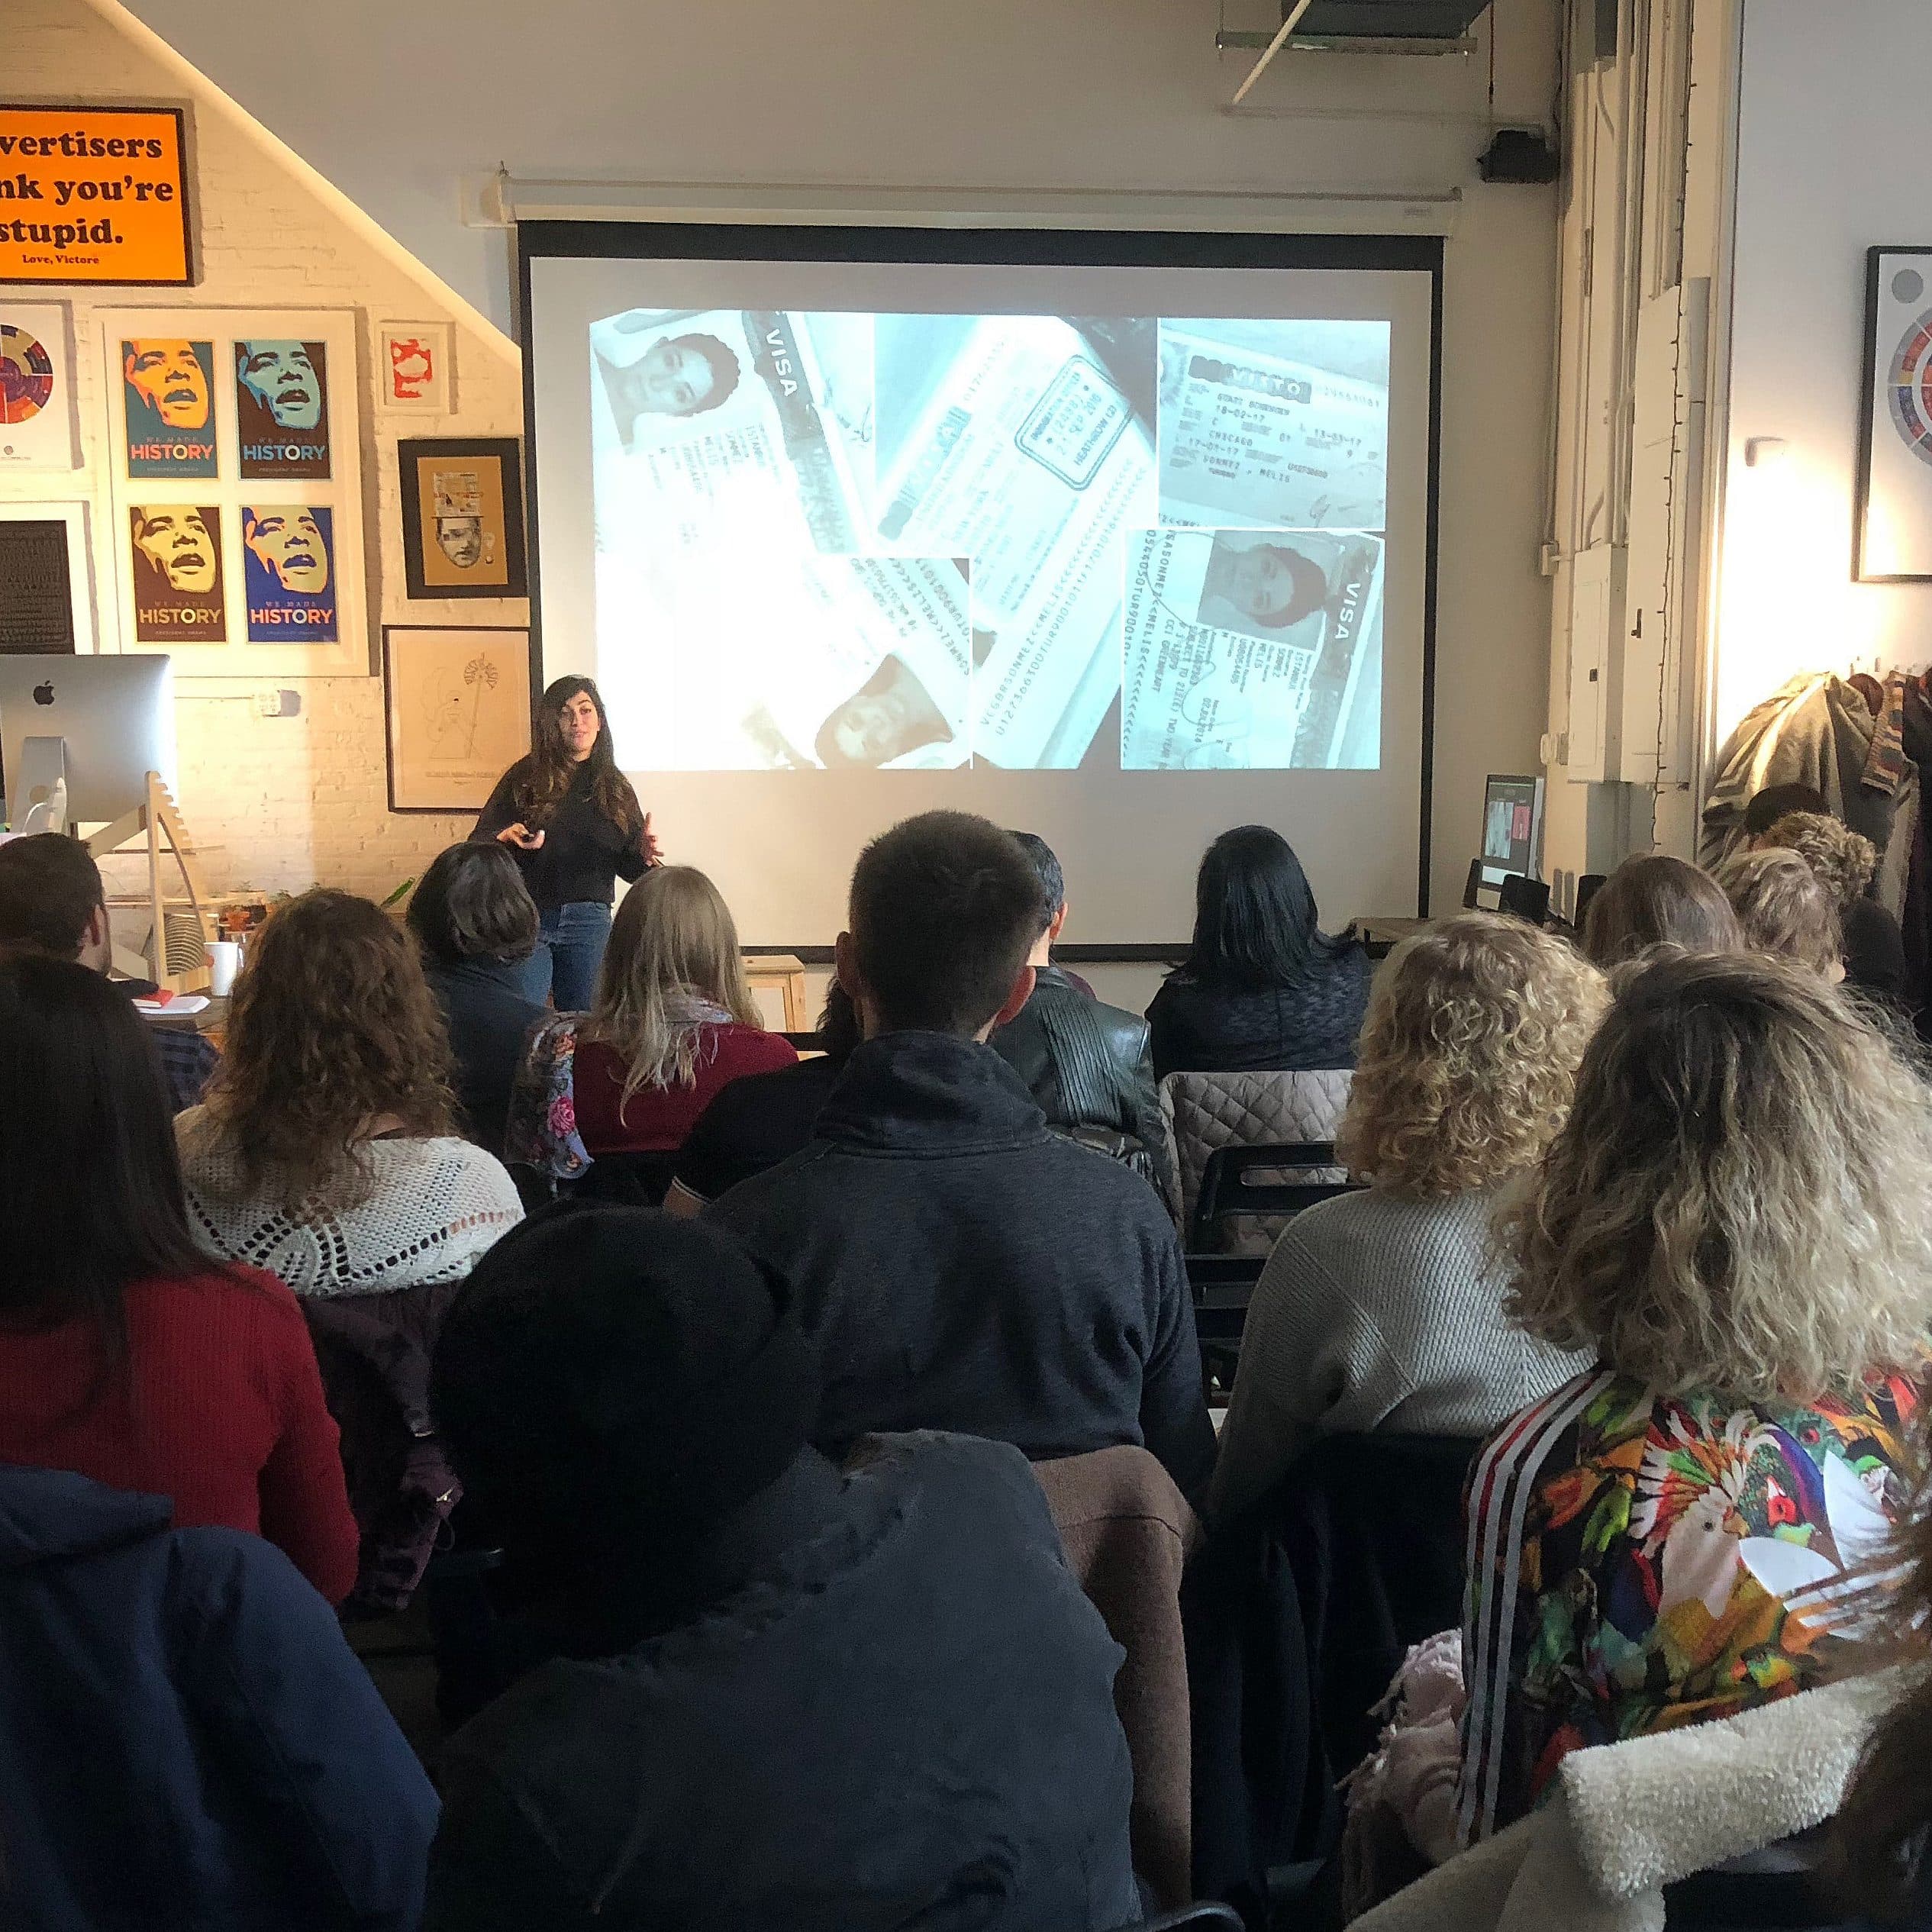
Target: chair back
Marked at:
1277, 1181
1191, 1918
1205, 1112
374, 1353
1128, 1532
1372, 1527
626, 1180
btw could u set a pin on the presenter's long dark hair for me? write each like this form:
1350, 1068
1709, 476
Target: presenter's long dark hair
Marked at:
90, 1197
1254, 913
548, 770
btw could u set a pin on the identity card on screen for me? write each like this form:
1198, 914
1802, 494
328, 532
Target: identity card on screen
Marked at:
1030, 542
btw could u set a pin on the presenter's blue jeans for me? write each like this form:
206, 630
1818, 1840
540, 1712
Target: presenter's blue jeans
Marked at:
570, 942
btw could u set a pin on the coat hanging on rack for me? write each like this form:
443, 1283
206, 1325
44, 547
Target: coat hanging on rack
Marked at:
1818, 729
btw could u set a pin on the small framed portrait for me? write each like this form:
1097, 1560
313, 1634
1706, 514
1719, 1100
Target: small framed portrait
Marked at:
462, 517
457, 708
168, 392
413, 367
175, 559
282, 407
288, 559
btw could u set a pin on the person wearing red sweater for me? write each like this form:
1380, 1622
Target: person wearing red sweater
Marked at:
125, 1355
673, 1022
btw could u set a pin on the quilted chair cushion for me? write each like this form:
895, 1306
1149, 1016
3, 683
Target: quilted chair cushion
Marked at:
1206, 1111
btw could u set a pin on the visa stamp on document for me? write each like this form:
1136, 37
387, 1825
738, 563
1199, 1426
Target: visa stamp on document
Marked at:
1075, 424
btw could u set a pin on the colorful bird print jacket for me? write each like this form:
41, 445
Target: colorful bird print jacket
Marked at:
1637, 1562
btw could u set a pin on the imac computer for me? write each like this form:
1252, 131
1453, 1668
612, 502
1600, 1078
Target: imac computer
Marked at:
114, 716
1512, 837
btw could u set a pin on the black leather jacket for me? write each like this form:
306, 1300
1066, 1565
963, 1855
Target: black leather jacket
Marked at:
1090, 1069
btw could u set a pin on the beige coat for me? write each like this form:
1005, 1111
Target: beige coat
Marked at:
1629, 1819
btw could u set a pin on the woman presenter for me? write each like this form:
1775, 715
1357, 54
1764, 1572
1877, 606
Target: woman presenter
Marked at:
575, 824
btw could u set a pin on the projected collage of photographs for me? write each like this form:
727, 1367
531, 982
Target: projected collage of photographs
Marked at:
918, 542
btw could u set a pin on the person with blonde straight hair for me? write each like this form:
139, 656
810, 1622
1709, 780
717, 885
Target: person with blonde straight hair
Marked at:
1785, 909
1383, 1309
672, 1022
1735, 1224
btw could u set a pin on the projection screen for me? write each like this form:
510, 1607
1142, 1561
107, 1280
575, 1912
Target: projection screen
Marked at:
1121, 539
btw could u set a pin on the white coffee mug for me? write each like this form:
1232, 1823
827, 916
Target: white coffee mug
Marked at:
223, 963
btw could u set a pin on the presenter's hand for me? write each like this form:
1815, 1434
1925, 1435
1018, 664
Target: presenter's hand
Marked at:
519, 834
647, 844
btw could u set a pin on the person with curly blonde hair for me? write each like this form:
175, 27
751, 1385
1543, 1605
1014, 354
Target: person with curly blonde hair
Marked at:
1383, 1309
1735, 1224
326, 1151
1845, 863
1785, 910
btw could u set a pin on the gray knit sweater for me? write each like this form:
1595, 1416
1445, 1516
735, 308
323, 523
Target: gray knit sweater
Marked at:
1375, 1313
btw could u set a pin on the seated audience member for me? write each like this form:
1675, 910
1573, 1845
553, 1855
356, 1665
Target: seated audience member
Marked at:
51, 903
1845, 862
1784, 909
1383, 1309
783, 1693
185, 1738
1736, 1221
326, 1151
1263, 987
1883, 1834
125, 1354
673, 1022
1655, 900
1089, 1067
761, 1119
1777, 801
963, 1266
477, 923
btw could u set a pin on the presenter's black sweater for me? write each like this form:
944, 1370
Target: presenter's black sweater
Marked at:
963, 1267
583, 855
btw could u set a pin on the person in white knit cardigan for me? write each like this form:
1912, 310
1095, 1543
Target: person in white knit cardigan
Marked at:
1383, 1309
326, 1151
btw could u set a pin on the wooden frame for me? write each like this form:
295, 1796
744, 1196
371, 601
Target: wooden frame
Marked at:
424, 776
1894, 430
495, 464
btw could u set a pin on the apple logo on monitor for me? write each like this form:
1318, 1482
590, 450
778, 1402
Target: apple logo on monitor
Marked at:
44, 693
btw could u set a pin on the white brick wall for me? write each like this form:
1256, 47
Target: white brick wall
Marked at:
274, 803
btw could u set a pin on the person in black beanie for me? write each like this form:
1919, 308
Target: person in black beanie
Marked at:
787, 1696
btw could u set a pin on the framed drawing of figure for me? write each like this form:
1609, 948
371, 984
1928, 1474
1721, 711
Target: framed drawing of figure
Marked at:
457, 706
462, 517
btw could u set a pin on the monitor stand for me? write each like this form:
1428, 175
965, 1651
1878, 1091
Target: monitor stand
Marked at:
157, 818
42, 779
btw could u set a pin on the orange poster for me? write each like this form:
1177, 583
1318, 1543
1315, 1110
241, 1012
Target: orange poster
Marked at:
94, 194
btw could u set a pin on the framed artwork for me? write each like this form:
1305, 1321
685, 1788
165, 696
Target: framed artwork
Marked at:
457, 707
412, 372
462, 517
234, 457
1892, 524
36, 387
104, 193
47, 602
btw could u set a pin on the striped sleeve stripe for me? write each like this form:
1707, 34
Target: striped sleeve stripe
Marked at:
1504, 1480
